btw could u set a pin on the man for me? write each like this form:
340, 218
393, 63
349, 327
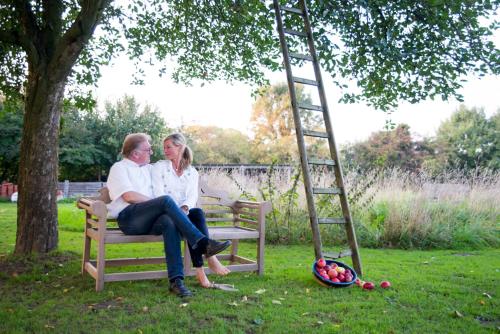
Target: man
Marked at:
137, 212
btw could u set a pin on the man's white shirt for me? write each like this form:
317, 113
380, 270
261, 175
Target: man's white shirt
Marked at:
124, 176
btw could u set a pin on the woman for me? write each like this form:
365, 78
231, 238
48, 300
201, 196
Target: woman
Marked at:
177, 178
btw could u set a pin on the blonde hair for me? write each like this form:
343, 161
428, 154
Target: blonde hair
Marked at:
132, 142
187, 154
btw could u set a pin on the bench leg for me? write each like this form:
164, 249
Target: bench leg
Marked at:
86, 243
86, 250
100, 265
234, 249
187, 260
260, 255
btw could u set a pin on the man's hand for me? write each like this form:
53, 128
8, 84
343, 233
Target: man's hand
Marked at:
185, 209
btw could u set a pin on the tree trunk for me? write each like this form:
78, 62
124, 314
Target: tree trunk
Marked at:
38, 165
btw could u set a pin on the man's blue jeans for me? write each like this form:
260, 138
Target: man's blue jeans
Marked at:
162, 211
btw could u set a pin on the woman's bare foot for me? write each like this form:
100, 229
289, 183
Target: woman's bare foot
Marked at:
217, 267
202, 278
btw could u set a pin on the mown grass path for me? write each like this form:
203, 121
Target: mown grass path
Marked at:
432, 292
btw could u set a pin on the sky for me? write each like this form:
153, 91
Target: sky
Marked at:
229, 105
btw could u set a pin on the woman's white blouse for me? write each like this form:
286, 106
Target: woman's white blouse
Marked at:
183, 189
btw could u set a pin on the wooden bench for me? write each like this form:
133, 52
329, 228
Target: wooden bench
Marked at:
234, 220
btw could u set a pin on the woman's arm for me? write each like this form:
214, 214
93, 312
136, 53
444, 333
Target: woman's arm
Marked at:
191, 189
158, 178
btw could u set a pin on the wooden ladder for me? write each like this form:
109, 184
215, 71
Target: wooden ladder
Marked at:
308, 162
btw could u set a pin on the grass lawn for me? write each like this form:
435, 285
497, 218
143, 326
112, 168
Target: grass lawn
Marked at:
432, 292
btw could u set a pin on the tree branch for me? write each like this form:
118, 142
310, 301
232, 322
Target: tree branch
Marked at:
52, 23
69, 47
28, 30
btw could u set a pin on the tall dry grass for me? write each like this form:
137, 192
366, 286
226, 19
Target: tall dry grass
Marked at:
390, 208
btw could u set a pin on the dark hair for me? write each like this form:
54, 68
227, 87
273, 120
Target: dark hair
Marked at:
187, 154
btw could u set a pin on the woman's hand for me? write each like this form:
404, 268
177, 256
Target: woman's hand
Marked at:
185, 209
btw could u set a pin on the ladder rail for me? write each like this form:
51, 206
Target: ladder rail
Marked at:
339, 178
299, 133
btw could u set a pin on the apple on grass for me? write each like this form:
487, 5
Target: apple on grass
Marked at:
385, 284
368, 286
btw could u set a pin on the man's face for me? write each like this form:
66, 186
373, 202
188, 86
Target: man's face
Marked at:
142, 154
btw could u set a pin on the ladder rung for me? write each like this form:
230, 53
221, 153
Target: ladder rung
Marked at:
331, 221
301, 56
295, 32
315, 134
338, 255
327, 191
305, 81
309, 106
291, 10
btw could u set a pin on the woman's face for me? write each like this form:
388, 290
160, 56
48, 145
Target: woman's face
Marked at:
171, 150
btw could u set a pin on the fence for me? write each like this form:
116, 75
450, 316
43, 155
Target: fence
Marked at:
76, 189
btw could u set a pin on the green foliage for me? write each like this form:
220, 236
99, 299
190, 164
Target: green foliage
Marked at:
11, 123
404, 50
211, 144
90, 142
468, 140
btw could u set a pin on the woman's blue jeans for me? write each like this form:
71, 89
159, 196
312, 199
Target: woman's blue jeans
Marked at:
139, 218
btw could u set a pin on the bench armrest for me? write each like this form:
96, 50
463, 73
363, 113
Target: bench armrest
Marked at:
265, 206
94, 207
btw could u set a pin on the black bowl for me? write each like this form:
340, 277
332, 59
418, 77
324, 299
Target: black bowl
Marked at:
334, 284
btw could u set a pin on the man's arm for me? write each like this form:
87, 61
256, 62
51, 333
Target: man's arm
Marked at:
134, 197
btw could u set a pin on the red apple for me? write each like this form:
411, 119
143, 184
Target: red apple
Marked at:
321, 263
358, 282
333, 273
327, 268
347, 271
385, 284
333, 265
322, 272
368, 286
341, 277
348, 278
336, 280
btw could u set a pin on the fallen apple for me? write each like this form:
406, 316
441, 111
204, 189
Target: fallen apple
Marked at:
368, 286
385, 284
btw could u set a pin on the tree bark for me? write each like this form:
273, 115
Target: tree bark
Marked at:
38, 165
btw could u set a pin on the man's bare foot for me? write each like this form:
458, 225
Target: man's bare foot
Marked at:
217, 267
202, 278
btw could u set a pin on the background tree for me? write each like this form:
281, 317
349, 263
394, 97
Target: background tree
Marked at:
393, 50
468, 140
273, 126
81, 151
387, 149
211, 144
11, 124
